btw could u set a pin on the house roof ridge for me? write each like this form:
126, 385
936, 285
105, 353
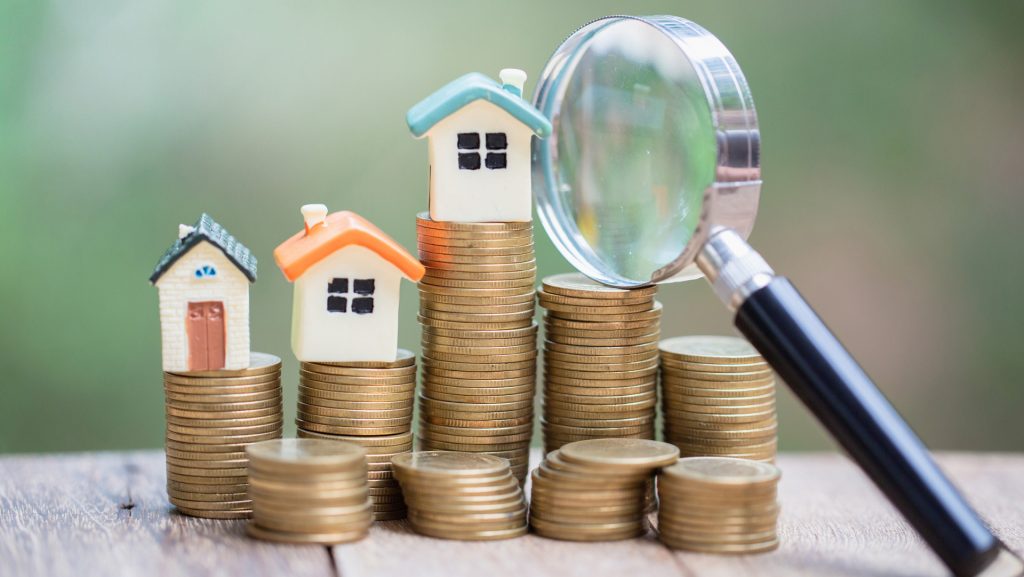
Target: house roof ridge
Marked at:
209, 230
465, 90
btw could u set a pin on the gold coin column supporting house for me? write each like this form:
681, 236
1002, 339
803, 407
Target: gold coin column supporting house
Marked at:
211, 417
464, 496
600, 360
367, 403
595, 490
479, 339
308, 491
719, 505
718, 398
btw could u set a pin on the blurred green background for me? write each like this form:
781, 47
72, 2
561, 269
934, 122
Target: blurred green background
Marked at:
893, 136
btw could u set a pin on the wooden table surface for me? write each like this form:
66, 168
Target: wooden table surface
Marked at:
107, 514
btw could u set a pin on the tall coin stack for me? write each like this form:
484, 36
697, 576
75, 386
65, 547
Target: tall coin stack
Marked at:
463, 496
308, 491
719, 505
718, 398
212, 416
600, 360
479, 338
369, 404
595, 490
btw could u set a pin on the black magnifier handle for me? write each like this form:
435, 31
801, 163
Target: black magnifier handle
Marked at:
808, 357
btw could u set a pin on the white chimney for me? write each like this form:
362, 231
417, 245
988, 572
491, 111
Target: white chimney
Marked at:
314, 215
513, 80
185, 230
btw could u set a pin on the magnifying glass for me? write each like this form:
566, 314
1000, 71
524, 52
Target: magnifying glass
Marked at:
652, 174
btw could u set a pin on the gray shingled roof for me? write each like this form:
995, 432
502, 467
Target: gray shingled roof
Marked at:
207, 229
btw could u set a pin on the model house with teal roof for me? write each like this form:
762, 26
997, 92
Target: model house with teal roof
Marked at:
479, 134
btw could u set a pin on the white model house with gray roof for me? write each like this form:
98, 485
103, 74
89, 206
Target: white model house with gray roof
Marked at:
203, 281
479, 134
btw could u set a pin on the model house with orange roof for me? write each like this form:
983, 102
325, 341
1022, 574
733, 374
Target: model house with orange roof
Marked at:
203, 283
479, 134
347, 276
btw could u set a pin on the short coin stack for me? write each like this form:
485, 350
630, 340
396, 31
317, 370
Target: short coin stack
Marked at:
595, 490
600, 360
463, 496
367, 403
308, 491
718, 398
479, 339
211, 417
719, 505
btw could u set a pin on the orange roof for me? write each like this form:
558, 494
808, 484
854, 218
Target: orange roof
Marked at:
342, 229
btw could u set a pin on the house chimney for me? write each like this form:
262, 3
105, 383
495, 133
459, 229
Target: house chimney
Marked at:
513, 79
185, 230
315, 216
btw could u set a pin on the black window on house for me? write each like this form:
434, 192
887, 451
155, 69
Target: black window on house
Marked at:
361, 295
496, 144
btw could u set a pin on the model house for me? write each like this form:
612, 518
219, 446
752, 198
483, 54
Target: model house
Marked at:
479, 136
347, 275
203, 283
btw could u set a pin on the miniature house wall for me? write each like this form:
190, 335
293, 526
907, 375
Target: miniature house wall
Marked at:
203, 290
467, 184
336, 317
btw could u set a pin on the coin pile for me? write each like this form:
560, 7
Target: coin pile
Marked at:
211, 417
367, 403
595, 490
308, 491
479, 339
600, 360
463, 496
719, 505
718, 398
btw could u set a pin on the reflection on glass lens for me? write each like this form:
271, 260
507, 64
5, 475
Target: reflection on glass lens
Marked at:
635, 149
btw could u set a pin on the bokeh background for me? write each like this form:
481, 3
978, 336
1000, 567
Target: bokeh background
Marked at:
893, 136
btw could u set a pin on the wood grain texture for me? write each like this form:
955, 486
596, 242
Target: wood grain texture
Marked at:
107, 514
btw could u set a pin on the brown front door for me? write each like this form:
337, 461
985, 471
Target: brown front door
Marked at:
205, 336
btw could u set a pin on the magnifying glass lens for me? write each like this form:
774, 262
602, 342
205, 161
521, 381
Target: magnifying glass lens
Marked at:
635, 150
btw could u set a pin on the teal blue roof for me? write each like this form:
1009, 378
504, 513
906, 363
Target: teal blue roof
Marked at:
470, 88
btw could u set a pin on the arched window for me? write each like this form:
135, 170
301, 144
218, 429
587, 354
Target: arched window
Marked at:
206, 271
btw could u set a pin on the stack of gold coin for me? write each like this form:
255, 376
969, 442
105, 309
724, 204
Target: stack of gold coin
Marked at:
719, 505
595, 490
479, 338
211, 417
367, 403
600, 360
718, 398
463, 496
308, 491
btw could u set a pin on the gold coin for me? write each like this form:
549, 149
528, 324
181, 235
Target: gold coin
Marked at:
553, 328
480, 318
273, 394
375, 397
442, 236
243, 514
241, 504
435, 291
720, 549
203, 382
711, 349
594, 432
208, 463
430, 387
403, 358
351, 430
683, 367
580, 286
271, 403
525, 332
474, 324
562, 300
231, 440
558, 374
378, 391
477, 431
183, 496
644, 357
449, 464
423, 220
355, 413
434, 246
371, 443
473, 408
430, 363
588, 421
305, 538
489, 258
480, 307
480, 355
356, 405
346, 374
632, 349
743, 378
469, 397
567, 408
198, 393
485, 269
427, 434
183, 416
647, 339
515, 285
697, 394
503, 374
448, 344
681, 404
180, 430
481, 382
224, 420
597, 312
587, 532
204, 456
719, 471
652, 314
560, 325
481, 535
599, 392
443, 239
259, 364
204, 480
688, 418
584, 368
355, 422
443, 275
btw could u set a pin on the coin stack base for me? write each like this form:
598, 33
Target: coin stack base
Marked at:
600, 360
211, 417
367, 403
719, 505
718, 398
462, 496
595, 490
479, 340
308, 491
